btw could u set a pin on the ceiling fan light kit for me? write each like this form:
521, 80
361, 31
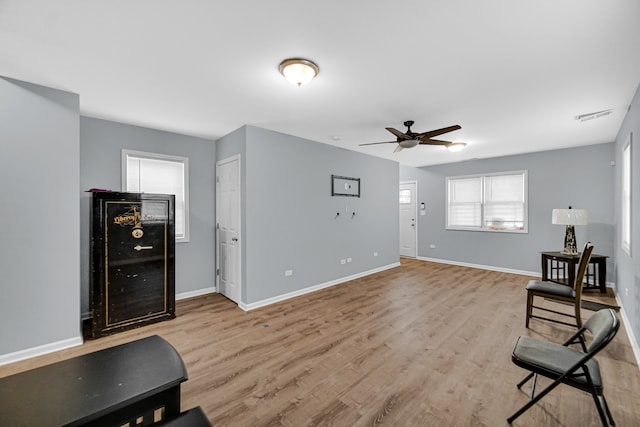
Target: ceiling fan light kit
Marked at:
409, 143
298, 71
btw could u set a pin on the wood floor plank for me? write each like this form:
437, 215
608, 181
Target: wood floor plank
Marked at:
422, 344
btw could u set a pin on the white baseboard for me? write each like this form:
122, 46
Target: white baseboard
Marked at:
40, 350
196, 293
283, 297
630, 335
72, 342
482, 267
492, 268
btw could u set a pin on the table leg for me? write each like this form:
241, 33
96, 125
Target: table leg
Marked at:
572, 272
602, 275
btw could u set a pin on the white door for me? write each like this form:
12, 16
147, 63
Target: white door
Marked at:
408, 219
228, 227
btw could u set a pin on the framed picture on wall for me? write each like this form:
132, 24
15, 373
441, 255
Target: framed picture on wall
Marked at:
345, 186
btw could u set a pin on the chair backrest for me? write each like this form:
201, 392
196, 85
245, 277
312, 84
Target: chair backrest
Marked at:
603, 326
582, 268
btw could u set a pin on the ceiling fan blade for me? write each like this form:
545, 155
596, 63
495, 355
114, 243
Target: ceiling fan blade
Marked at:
432, 133
430, 141
398, 148
385, 142
400, 135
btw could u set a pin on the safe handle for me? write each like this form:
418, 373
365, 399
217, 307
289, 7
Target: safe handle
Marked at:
141, 248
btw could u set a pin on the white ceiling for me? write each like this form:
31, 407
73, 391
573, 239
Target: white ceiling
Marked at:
513, 74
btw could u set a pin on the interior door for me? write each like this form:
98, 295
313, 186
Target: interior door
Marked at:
408, 219
228, 228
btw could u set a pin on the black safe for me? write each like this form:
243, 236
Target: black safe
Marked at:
132, 260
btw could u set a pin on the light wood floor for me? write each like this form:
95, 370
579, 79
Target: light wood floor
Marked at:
423, 344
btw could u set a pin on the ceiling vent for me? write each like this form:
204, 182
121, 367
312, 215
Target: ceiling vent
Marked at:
595, 115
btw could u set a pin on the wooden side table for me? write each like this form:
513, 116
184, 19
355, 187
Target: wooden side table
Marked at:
554, 263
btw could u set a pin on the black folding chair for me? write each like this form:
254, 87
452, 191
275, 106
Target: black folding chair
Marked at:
566, 365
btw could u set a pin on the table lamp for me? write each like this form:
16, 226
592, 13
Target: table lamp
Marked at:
570, 217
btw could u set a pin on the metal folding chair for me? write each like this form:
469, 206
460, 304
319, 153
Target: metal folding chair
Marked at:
566, 365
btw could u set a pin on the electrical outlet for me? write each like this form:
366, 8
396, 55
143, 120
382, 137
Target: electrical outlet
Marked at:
348, 259
626, 292
288, 273
432, 246
375, 254
343, 261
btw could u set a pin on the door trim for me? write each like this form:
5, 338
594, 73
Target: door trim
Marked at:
415, 214
236, 157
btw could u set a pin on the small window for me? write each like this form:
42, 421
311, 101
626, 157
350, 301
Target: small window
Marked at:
626, 197
159, 174
490, 202
405, 197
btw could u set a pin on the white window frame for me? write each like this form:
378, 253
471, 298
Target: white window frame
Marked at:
182, 236
482, 202
625, 209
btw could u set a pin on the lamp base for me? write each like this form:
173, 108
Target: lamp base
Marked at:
570, 247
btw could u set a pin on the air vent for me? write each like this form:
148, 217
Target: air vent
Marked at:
595, 115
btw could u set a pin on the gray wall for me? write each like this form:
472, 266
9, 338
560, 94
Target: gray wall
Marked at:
291, 219
101, 144
628, 267
39, 216
581, 177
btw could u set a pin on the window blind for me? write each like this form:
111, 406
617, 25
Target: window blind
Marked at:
145, 174
491, 202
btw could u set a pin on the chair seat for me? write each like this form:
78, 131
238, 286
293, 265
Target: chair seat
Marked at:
551, 288
548, 358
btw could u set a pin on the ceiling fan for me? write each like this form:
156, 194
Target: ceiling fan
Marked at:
410, 139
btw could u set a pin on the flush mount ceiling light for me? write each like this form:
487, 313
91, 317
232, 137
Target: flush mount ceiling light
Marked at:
298, 71
456, 146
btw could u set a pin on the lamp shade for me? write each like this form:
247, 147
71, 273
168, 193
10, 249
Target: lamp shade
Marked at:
570, 217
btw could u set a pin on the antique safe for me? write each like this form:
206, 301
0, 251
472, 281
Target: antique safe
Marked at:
132, 260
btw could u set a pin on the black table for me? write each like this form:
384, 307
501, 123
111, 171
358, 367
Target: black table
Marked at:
110, 387
554, 263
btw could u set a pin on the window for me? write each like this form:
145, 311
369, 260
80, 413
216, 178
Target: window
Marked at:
490, 202
160, 174
405, 197
626, 197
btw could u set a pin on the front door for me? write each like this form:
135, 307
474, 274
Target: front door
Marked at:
408, 219
228, 227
